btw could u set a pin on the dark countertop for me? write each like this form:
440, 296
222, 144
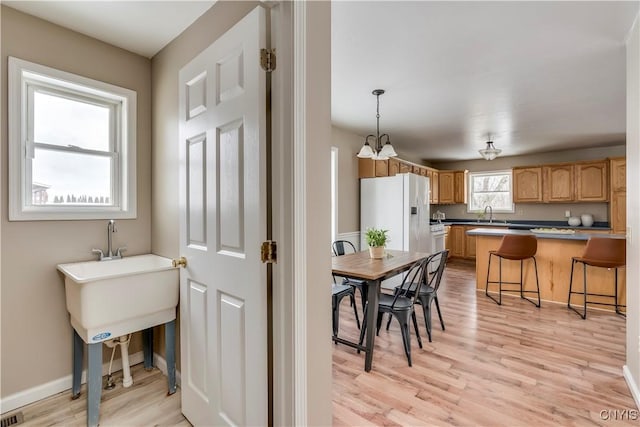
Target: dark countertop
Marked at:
526, 224
484, 231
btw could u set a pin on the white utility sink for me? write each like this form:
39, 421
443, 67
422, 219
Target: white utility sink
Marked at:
108, 299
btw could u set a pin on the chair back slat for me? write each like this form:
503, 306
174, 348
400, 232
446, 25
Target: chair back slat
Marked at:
413, 280
340, 247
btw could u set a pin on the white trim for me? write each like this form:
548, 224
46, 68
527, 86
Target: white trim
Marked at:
633, 387
299, 213
335, 193
282, 203
470, 176
22, 76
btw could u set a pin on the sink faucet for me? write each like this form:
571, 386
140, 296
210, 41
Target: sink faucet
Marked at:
490, 213
111, 228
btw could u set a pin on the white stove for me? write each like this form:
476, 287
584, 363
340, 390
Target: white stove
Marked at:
437, 228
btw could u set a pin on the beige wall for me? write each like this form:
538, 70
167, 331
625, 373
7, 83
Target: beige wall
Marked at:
348, 145
633, 208
535, 211
36, 334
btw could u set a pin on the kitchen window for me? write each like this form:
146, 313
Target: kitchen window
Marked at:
493, 189
71, 146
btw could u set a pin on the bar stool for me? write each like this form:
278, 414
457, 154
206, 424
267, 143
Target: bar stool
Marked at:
516, 247
599, 252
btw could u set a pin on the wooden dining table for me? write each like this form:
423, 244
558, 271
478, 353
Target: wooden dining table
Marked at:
361, 266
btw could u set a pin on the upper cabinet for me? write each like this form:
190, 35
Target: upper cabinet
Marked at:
394, 167
562, 182
460, 187
446, 186
435, 186
618, 195
527, 185
558, 183
618, 168
592, 181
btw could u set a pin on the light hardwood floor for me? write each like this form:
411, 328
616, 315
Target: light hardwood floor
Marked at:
509, 365
513, 365
145, 403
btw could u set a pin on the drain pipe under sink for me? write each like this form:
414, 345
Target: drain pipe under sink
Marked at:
123, 341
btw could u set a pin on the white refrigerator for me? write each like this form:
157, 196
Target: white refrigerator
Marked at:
399, 204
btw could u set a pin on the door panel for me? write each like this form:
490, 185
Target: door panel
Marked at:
223, 293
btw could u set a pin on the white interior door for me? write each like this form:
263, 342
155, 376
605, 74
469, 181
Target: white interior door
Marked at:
223, 294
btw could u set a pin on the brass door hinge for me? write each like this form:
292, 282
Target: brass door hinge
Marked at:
269, 252
268, 59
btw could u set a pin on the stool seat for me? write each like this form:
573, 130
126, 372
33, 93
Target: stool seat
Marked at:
601, 252
514, 247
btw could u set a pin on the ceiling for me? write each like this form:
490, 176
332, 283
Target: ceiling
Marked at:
536, 76
532, 76
142, 27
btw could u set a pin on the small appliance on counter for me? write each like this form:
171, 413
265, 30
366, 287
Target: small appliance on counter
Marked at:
438, 216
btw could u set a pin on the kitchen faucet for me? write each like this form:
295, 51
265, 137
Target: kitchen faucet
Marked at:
490, 213
111, 228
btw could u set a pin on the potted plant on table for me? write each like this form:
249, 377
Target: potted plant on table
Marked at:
376, 239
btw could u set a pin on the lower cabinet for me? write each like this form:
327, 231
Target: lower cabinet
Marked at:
457, 240
469, 244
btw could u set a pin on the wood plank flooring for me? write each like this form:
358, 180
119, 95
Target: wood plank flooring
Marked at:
509, 365
513, 365
145, 403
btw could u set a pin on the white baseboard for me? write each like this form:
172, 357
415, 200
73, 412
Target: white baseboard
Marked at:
43, 391
633, 386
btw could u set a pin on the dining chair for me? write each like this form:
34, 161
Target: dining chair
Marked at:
401, 305
429, 292
338, 292
343, 247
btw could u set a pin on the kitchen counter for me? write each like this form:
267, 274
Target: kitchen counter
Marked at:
528, 224
485, 231
554, 266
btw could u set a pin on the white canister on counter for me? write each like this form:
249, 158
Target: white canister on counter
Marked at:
574, 221
587, 220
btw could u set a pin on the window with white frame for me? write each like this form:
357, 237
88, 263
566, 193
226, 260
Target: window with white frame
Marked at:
72, 146
493, 189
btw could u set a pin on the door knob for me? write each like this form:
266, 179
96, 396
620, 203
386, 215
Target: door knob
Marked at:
181, 262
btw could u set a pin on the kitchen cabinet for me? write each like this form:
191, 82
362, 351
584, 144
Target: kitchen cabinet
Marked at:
558, 183
592, 181
432, 174
618, 196
446, 185
394, 167
382, 167
469, 244
618, 168
457, 241
435, 183
405, 167
460, 187
527, 184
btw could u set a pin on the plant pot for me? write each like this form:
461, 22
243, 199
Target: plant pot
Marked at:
376, 252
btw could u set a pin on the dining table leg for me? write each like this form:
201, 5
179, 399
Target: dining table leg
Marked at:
372, 313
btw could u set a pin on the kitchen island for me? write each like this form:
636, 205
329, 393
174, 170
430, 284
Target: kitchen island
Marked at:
555, 250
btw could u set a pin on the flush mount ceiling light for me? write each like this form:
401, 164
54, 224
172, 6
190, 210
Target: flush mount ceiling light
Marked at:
379, 151
490, 152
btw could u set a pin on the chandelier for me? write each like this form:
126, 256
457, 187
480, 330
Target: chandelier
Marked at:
490, 152
379, 151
